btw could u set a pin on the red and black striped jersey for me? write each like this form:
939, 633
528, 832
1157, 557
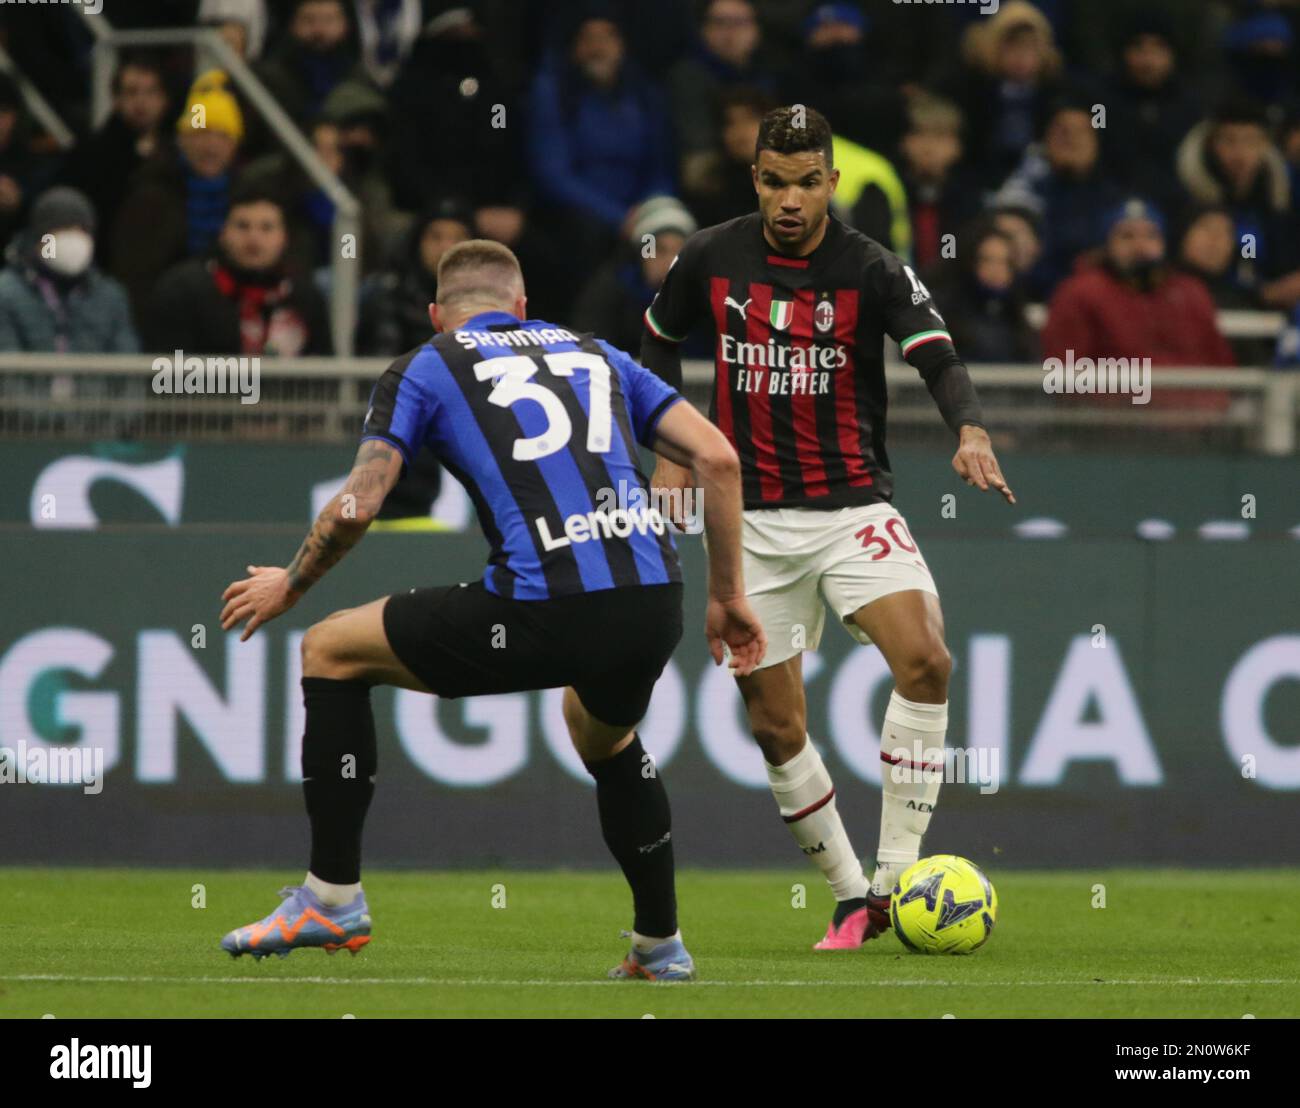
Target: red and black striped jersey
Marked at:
800, 374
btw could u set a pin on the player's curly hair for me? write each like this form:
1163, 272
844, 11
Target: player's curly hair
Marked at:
793, 130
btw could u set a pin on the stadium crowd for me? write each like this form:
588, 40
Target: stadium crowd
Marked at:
1132, 166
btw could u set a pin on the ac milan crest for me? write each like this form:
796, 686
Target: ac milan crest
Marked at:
824, 316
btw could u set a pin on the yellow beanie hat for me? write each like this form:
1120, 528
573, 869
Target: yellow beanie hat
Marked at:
220, 108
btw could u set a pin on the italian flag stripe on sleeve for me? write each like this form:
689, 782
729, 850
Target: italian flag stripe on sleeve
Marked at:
920, 339
658, 331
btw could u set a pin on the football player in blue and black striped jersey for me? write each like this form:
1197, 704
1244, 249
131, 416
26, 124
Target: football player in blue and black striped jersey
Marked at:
582, 588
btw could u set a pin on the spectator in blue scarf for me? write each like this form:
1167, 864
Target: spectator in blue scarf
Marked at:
175, 205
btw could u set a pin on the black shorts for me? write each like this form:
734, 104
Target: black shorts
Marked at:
610, 645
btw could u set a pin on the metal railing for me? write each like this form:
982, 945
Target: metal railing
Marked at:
321, 399
213, 51
40, 108
1233, 323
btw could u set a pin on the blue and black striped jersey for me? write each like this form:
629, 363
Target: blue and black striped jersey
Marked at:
540, 425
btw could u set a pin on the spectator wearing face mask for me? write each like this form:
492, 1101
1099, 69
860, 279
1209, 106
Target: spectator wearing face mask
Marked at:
52, 297
1135, 305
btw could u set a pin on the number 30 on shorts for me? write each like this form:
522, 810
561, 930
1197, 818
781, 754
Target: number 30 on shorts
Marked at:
895, 529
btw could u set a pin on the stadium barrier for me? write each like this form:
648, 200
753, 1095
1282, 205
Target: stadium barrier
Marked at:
324, 400
1084, 730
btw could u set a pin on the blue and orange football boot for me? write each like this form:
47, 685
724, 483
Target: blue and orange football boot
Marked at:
669, 961
303, 921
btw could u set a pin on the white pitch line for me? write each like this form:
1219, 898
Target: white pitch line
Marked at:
483, 982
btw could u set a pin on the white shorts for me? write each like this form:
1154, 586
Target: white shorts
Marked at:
850, 556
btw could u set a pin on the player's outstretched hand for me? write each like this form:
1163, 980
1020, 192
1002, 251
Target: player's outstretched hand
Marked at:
668, 491
733, 623
258, 598
975, 462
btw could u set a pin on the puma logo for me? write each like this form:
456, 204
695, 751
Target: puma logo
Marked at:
741, 308
655, 845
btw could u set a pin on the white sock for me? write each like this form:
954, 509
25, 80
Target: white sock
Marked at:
332, 896
647, 943
806, 798
911, 770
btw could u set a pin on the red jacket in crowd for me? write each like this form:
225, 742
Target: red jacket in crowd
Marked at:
1098, 315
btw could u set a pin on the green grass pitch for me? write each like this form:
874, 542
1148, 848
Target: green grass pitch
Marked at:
129, 942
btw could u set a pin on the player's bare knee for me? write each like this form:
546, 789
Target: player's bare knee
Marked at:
778, 739
923, 677
320, 654
576, 717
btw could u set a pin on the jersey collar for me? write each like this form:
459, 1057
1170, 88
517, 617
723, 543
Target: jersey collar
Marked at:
484, 320
775, 257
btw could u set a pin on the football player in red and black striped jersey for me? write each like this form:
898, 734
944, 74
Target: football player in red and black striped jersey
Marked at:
800, 305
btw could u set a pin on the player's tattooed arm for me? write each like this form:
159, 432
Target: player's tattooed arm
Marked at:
346, 517
270, 591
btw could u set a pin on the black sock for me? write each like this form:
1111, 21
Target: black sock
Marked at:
845, 908
637, 826
339, 758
